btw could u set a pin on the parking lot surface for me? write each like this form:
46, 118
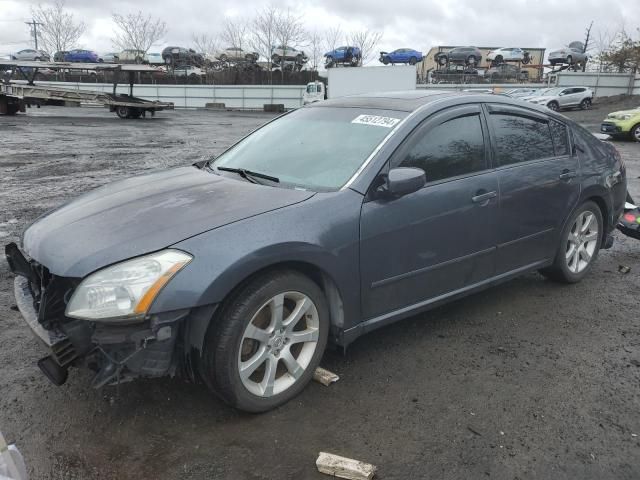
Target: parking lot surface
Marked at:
530, 379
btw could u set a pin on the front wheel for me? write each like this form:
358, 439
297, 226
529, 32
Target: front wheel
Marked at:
635, 133
263, 349
553, 106
579, 245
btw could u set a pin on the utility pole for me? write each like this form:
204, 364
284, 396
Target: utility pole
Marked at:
34, 30
586, 45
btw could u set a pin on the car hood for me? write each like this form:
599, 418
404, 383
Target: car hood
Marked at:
635, 111
144, 214
545, 98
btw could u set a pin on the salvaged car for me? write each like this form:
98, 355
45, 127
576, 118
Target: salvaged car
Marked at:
236, 54
625, 123
569, 56
285, 52
509, 54
239, 271
461, 55
178, 56
345, 55
401, 55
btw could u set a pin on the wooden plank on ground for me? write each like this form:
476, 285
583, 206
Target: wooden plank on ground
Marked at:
343, 467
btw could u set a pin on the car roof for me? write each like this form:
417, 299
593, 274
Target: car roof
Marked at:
407, 100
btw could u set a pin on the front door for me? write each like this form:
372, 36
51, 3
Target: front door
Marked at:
539, 185
441, 238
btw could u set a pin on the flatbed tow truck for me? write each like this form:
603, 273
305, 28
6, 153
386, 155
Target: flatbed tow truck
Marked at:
15, 95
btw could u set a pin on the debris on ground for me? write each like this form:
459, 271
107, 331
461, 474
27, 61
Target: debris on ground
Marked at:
343, 467
325, 377
624, 269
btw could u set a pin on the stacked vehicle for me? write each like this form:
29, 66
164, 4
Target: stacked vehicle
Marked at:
288, 58
401, 55
346, 55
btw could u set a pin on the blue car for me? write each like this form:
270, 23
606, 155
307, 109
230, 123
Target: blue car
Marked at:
78, 55
344, 54
401, 55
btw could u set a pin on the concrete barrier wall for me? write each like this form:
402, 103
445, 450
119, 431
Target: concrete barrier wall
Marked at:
196, 96
603, 84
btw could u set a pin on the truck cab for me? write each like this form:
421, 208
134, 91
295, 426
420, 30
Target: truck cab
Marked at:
315, 92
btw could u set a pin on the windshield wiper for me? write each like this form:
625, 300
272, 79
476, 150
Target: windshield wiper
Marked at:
249, 175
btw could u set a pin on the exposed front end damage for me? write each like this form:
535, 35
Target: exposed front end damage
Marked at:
115, 352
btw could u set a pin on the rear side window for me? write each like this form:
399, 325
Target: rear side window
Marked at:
560, 138
453, 148
520, 139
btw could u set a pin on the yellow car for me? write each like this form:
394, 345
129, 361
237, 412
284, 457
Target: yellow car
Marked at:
625, 123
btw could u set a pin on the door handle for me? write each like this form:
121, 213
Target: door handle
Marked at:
483, 198
567, 175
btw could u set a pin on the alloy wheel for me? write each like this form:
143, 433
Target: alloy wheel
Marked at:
278, 344
636, 133
581, 242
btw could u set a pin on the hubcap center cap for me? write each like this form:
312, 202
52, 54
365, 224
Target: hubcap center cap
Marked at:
277, 342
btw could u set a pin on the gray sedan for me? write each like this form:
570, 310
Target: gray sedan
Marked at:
329, 222
30, 54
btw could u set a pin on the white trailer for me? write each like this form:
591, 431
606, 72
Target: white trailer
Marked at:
354, 81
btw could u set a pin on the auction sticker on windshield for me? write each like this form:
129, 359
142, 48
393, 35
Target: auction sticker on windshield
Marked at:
376, 120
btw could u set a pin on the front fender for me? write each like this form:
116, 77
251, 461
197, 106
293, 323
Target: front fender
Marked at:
322, 233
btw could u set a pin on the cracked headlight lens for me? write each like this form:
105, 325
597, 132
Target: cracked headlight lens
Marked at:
126, 290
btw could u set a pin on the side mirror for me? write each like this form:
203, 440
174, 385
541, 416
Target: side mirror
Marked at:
402, 181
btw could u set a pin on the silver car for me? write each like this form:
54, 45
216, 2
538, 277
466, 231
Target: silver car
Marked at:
30, 54
563, 97
570, 56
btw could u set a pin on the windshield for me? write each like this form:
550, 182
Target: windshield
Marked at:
313, 148
548, 91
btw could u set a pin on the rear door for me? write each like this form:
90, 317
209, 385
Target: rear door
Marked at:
538, 183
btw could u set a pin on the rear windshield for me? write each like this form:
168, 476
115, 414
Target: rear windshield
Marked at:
318, 148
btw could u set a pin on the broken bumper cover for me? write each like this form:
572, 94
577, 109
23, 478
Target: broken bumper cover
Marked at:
116, 353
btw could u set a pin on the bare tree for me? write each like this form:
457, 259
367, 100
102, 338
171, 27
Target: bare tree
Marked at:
366, 40
137, 31
315, 49
332, 37
262, 37
234, 33
289, 29
205, 44
58, 30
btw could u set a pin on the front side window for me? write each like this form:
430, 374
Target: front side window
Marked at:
560, 138
519, 139
451, 149
318, 148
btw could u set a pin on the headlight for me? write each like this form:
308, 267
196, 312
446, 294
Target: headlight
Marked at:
625, 117
125, 291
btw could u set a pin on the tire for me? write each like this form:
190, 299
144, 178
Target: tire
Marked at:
635, 133
275, 58
585, 104
227, 346
413, 61
562, 269
570, 60
471, 60
123, 111
499, 59
329, 61
223, 58
385, 61
442, 60
553, 105
299, 59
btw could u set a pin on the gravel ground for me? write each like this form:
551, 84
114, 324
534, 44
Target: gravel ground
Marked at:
527, 380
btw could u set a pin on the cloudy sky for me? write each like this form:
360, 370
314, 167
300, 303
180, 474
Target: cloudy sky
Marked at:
418, 24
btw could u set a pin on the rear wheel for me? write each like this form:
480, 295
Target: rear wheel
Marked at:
635, 133
471, 60
122, 111
385, 60
268, 341
413, 61
579, 245
585, 104
570, 60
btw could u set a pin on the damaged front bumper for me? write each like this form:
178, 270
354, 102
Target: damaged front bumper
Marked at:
116, 353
